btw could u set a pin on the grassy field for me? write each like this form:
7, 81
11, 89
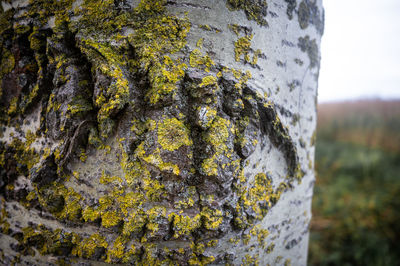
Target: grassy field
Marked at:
356, 204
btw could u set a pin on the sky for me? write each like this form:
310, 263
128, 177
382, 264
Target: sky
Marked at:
360, 50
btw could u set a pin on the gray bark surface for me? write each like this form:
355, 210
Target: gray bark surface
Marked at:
157, 132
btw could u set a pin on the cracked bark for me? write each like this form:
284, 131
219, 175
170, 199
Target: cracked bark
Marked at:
157, 132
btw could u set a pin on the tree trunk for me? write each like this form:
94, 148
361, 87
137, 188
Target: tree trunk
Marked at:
157, 132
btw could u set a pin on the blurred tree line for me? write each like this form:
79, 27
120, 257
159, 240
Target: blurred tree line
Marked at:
356, 204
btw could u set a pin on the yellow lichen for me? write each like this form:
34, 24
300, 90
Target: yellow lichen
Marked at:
155, 159
172, 134
208, 81
110, 219
13, 106
254, 10
210, 166
184, 225
88, 246
243, 48
107, 179
72, 208
136, 220
207, 115
206, 27
197, 60
154, 214
218, 134
89, 214
200, 43
24, 154
4, 224
212, 219
188, 201
116, 252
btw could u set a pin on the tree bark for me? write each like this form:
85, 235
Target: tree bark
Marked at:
157, 132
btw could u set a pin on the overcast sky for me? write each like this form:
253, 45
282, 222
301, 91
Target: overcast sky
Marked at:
360, 50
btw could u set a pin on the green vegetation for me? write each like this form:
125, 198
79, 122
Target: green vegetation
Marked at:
356, 204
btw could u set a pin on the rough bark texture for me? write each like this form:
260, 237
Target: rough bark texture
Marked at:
157, 132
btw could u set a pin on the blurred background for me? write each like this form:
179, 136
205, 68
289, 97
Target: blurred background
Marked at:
356, 204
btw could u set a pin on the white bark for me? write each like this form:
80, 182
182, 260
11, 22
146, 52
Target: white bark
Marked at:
284, 79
